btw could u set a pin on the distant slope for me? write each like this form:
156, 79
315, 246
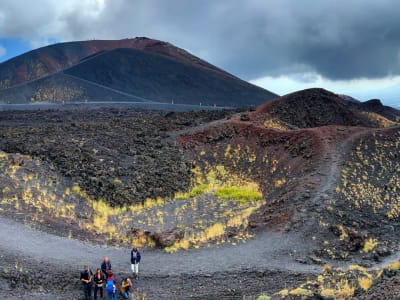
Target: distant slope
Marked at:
318, 107
54, 58
163, 79
376, 106
141, 67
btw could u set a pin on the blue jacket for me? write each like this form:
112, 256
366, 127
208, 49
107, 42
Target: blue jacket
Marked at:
135, 260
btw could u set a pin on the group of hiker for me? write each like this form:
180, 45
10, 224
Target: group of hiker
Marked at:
104, 278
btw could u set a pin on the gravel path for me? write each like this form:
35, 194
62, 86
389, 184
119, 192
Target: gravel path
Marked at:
265, 262
269, 250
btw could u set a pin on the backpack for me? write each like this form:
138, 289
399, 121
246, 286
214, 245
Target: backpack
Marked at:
110, 286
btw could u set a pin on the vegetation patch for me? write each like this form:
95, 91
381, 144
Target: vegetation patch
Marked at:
366, 196
371, 178
275, 123
335, 283
370, 244
43, 196
380, 120
240, 194
394, 266
339, 284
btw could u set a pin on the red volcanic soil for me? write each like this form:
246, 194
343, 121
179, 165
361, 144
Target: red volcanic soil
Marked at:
297, 153
21, 73
299, 170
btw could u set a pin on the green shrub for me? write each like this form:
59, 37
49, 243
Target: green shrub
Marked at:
241, 195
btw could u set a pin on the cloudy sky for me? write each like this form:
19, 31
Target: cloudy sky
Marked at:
347, 46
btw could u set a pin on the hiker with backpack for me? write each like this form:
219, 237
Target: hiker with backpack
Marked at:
105, 266
135, 260
111, 287
86, 279
125, 287
98, 283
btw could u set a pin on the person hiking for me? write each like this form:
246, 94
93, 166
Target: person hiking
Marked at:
86, 279
98, 280
105, 266
111, 286
125, 287
135, 260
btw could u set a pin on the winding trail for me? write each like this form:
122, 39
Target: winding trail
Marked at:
330, 174
266, 251
329, 169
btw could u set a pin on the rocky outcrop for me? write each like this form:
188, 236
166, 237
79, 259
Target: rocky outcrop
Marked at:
121, 157
167, 238
159, 239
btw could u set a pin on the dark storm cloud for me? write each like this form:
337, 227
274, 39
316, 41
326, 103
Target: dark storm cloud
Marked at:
338, 39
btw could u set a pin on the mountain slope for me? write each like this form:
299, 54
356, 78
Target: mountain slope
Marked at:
140, 67
50, 59
163, 79
318, 107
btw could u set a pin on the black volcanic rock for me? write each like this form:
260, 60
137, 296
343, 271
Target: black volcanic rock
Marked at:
376, 106
121, 156
373, 104
348, 98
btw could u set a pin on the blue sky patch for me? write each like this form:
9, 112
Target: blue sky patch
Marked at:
12, 47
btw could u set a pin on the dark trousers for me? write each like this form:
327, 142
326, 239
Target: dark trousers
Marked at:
96, 289
87, 291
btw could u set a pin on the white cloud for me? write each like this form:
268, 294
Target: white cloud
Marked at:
296, 44
3, 51
387, 89
250, 38
41, 21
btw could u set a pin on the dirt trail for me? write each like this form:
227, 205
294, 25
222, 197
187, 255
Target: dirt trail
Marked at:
268, 250
328, 176
322, 181
329, 169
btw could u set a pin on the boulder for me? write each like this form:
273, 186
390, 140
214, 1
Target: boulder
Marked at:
167, 238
